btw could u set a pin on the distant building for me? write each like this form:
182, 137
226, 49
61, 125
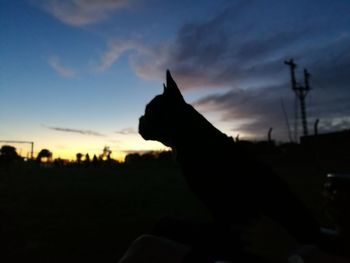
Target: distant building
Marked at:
330, 144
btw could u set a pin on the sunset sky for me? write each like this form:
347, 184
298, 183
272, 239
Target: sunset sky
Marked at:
75, 75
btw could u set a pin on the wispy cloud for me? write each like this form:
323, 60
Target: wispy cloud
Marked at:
84, 132
115, 49
210, 54
251, 111
229, 51
126, 131
247, 60
82, 12
245, 57
64, 71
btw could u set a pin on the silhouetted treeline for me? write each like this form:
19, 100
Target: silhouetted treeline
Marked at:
163, 157
333, 146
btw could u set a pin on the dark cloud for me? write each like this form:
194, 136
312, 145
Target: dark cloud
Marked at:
243, 50
126, 131
335, 124
84, 132
330, 67
255, 110
245, 43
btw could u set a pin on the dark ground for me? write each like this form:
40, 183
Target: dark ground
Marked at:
93, 214
85, 214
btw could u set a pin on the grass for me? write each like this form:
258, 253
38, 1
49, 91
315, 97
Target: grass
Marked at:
90, 215
93, 214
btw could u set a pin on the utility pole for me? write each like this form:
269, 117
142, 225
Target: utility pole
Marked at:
32, 150
300, 92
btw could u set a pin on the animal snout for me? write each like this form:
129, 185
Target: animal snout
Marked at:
142, 124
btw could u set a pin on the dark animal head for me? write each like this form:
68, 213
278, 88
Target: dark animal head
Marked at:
163, 114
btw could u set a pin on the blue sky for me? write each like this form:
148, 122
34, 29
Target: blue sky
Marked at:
76, 74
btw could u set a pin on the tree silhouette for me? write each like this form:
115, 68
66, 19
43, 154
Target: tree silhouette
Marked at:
8, 153
106, 153
79, 156
132, 158
44, 153
87, 159
94, 160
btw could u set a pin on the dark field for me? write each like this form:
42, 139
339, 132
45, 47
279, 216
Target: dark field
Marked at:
92, 214
86, 214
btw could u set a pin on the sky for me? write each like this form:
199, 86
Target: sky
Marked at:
76, 74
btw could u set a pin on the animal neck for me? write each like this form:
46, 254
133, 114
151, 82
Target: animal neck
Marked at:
196, 134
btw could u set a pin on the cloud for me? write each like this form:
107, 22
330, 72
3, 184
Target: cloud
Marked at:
246, 58
84, 132
242, 49
64, 71
221, 51
115, 49
341, 123
126, 131
251, 111
82, 12
230, 50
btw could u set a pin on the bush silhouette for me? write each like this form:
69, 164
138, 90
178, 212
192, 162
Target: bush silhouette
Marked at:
44, 153
8, 154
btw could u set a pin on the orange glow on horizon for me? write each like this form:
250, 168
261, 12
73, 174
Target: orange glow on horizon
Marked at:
66, 147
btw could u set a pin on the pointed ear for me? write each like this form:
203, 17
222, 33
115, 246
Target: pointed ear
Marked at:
164, 88
171, 88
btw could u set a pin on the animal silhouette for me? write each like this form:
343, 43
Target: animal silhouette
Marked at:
232, 184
